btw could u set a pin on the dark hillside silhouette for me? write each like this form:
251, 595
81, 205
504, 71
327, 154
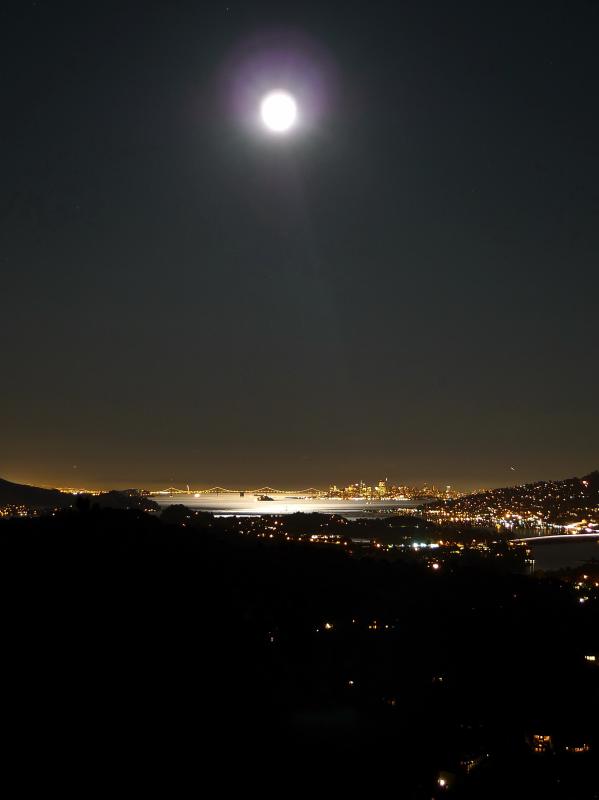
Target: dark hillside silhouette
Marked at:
189, 648
34, 497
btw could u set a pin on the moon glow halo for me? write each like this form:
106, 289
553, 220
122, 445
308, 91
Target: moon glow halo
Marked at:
278, 110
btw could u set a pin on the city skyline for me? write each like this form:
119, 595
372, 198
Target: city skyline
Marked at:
326, 487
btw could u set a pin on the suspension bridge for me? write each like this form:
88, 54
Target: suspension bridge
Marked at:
263, 490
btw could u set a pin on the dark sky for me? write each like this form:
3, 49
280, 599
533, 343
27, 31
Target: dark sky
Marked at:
405, 287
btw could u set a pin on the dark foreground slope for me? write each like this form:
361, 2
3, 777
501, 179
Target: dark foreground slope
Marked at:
180, 656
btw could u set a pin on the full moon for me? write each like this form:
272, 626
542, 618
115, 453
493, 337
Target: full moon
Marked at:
279, 111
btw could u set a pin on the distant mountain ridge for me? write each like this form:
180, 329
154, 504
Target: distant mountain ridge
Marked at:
21, 494
35, 497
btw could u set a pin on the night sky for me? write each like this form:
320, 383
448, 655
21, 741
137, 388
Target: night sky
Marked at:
404, 286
